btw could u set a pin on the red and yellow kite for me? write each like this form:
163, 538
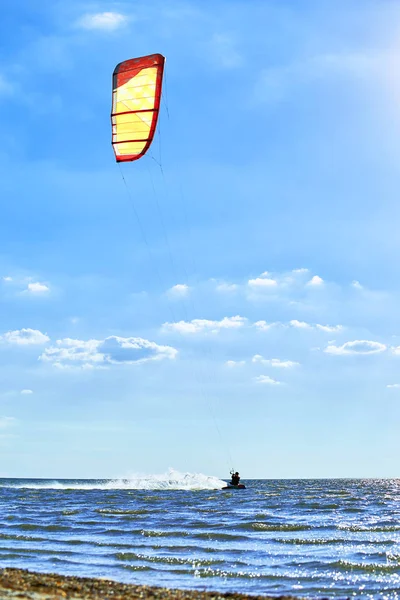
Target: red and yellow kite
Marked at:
135, 105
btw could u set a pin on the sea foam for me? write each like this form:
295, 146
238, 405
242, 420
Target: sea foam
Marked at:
171, 480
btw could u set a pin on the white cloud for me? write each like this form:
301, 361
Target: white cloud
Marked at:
6, 422
25, 337
70, 351
393, 385
266, 379
112, 350
37, 288
356, 284
26, 392
263, 325
300, 271
204, 325
357, 347
303, 325
300, 324
262, 283
235, 363
180, 290
289, 284
329, 328
108, 21
257, 358
226, 288
8, 279
315, 281
274, 362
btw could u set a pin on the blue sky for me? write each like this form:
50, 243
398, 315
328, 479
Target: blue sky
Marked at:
236, 302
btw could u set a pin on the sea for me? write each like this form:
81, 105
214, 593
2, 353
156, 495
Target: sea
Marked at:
331, 538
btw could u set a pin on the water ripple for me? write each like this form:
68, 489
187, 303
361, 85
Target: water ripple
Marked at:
312, 538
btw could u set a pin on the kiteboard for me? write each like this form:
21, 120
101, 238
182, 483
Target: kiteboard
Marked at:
229, 486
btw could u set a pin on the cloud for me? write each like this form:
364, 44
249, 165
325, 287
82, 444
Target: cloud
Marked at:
112, 350
289, 287
25, 337
315, 281
226, 288
37, 288
107, 21
27, 285
303, 325
263, 325
284, 280
205, 325
266, 379
393, 385
356, 284
235, 363
180, 290
300, 324
262, 282
329, 328
6, 422
26, 392
357, 347
300, 271
274, 362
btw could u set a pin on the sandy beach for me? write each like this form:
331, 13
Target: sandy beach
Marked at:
21, 584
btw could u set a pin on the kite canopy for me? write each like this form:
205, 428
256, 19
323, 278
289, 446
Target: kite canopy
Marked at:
135, 105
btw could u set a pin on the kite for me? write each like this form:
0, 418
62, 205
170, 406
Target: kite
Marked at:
136, 98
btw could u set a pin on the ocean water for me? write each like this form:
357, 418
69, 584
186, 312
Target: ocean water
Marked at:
332, 538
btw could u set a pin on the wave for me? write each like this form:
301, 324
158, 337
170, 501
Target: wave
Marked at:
170, 560
331, 541
171, 480
311, 541
23, 538
39, 551
225, 574
346, 565
371, 529
121, 512
34, 526
273, 526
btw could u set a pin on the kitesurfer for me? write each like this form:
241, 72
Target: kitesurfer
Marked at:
235, 478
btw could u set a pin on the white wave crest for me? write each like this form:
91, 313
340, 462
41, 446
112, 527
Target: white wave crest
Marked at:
171, 480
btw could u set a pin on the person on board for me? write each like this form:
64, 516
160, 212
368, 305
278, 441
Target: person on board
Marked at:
235, 478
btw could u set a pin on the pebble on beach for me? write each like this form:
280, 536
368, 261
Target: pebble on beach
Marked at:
21, 584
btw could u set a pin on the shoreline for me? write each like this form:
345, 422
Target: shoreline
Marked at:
29, 585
